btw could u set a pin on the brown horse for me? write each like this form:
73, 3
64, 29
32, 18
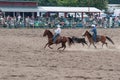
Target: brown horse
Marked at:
60, 39
101, 38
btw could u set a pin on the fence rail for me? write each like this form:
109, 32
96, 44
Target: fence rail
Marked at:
42, 22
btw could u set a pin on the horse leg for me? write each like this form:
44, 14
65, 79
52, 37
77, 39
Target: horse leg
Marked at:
61, 46
86, 43
102, 45
64, 47
89, 45
94, 45
82, 43
50, 45
46, 45
106, 44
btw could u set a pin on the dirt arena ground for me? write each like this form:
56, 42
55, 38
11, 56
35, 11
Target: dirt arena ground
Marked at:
22, 57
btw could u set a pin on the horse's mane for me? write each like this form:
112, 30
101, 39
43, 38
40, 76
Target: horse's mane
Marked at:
50, 32
89, 33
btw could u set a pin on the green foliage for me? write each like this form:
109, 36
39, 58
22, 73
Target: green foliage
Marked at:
114, 1
67, 2
18, 0
47, 2
101, 4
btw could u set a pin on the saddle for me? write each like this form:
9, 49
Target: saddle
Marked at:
98, 38
59, 38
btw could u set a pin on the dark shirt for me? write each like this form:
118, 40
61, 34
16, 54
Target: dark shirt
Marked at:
94, 30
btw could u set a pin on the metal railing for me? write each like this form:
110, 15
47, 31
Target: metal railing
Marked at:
51, 22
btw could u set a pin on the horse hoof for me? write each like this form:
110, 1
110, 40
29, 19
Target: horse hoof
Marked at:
50, 48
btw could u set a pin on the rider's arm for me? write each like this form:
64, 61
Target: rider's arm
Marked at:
92, 30
57, 30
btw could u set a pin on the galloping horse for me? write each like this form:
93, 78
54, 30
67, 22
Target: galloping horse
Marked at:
101, 38
60, 39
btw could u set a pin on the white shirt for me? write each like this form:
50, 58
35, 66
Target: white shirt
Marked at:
58, 31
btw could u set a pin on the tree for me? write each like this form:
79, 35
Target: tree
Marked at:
114, 1
67, 2
47, 2
101, 4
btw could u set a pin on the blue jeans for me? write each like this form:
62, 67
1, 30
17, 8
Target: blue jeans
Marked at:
95, 37
55, 37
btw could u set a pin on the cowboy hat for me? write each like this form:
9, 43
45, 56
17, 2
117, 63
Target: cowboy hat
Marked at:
93, 25
58, 26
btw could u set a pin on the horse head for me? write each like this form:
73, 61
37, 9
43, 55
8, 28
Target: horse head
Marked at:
47, 33
87, 33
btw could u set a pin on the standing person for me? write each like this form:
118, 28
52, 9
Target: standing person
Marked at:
57, 33
94, 30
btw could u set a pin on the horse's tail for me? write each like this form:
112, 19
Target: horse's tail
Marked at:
70, 41
110, 40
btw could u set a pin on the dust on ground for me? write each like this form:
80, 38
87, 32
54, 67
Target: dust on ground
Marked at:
22, 57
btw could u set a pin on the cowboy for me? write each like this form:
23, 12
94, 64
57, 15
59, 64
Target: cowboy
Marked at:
57, 33
94, 30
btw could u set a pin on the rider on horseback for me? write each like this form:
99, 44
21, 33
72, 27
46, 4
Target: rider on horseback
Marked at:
94, 30
57, 33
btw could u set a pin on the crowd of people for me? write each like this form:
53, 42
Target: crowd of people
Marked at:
69, 22
16, 22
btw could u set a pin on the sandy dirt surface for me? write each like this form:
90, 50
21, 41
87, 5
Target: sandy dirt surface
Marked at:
22, 57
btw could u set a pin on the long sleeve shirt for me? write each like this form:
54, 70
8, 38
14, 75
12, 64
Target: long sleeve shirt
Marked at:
58, 31
94, 30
